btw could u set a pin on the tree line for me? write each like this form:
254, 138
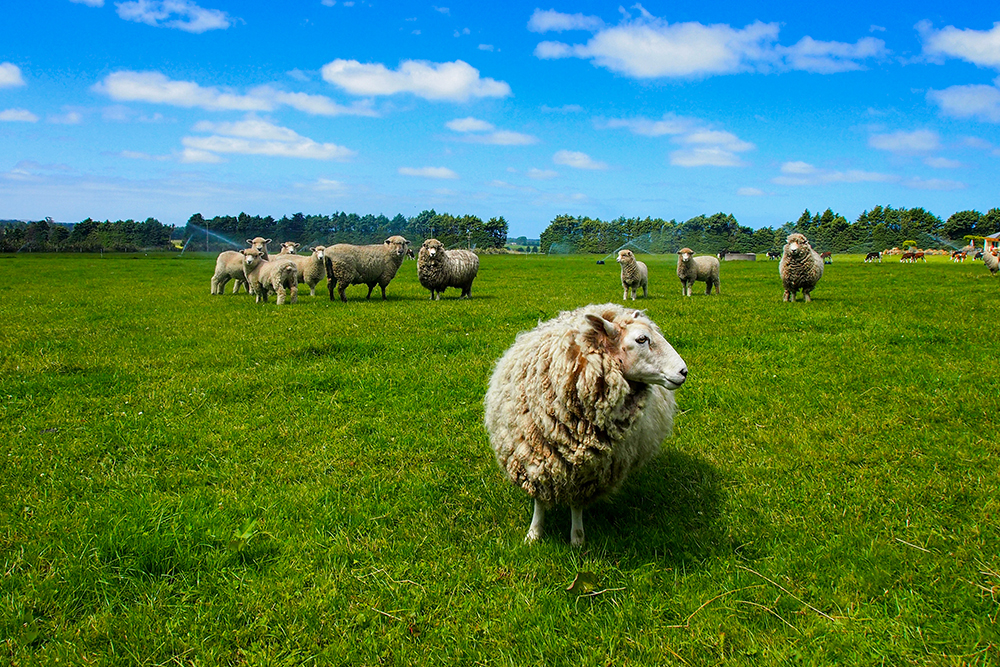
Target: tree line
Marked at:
343, 227
86, 236
881, 228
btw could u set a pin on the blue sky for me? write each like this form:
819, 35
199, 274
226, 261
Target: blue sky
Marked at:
166, 108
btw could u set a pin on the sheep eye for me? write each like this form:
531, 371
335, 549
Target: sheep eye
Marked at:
642, 340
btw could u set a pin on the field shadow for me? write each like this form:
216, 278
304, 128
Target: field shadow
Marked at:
668, 511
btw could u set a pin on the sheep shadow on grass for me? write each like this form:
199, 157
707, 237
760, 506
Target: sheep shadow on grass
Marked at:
667, 511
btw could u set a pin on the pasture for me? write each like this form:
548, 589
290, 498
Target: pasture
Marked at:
189, 479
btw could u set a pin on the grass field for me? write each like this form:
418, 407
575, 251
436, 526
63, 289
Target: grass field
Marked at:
188, 479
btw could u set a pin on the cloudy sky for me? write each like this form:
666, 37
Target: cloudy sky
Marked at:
166, 108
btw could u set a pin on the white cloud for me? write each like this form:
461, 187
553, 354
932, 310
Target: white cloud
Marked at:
428, 172
750, 192
129, 86
316, 105
553, 21
486, 47
10, 75
256, 137
89, 3
668, 125
977, 101
180, 14
802, 174
18, 116
328, 3
453, 81
542, 174
980, 47
443, 10
469, 124
702, 146
649, 47
68, 118
138, 155
932, 184
577, 160
464, 31
328, 185
566, 108
918, 141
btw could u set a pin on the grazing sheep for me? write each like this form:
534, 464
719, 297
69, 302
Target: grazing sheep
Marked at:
275, 275
991, 261
634, 274
874, 257
578, 402
229, 266
691, 269
370, 265
289, 248
312, 268
260, 243
439, 269
800, 267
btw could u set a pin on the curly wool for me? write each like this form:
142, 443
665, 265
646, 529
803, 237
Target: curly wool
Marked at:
635, 274
801, 267
312, 268
439, 269
270, 276
229, 266
565, 424
704, 269
370, 265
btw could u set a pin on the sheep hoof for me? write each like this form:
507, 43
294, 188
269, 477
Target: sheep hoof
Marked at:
577, 539
532, 536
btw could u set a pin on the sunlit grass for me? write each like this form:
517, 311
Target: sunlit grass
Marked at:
205, 480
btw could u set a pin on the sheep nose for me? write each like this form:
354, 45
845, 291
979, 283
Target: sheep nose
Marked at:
684, 371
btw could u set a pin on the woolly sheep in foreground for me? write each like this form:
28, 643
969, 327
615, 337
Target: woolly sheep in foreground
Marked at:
370, 265
229, 266
439, 269
992, 261
800, 268
312, 268
634, 274
691, 269
578, 402
275, 275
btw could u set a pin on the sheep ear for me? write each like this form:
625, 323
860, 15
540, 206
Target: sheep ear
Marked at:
249, 241
266, 241
604, 328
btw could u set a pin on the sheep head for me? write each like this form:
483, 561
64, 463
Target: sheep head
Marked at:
251, 258
317, 251
625, 256
260, 243
642, 353
397, 245
796, 245
685, 254
432, 250
289, 248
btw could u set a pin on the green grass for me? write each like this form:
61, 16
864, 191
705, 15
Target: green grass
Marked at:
187, 479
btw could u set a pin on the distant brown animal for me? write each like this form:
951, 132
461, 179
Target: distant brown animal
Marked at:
827, 257
958, 256
906, 257
918, 256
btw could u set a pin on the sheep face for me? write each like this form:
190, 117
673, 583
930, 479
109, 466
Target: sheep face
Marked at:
397, 245
434, 249
289, 248
644, 354
797, 246
625, 256
686, 254
318, 251
251, 257
260, 243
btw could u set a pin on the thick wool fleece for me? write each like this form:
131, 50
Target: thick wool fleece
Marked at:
439, 269
800, 267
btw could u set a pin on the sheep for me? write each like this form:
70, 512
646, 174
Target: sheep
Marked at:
289, 248
270, 276
312, 268
701, 269
260, 243
800, 267
577, 403
439, 269
229, 266
370, 265
991, 261
634, 274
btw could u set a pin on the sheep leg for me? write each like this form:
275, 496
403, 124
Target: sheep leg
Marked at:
281, 295
625, 295
576, 533
805, 296
537, 519
383, 291
788, 296
295, 293
644, 293
342, 288
371, 288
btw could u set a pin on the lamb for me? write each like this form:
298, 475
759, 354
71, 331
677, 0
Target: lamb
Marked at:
991, 261
370, 265
270, 276
439, 269
634, 274
229, 266
579, 402
312, 268
800, 267
691, 269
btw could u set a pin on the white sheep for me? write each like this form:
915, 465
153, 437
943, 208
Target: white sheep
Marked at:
289, 248
634, 274
800, 267
370, 265
577, 403
229, 266
312, 268
260, 243
439, 269
703, 269
274, 275
992, 261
